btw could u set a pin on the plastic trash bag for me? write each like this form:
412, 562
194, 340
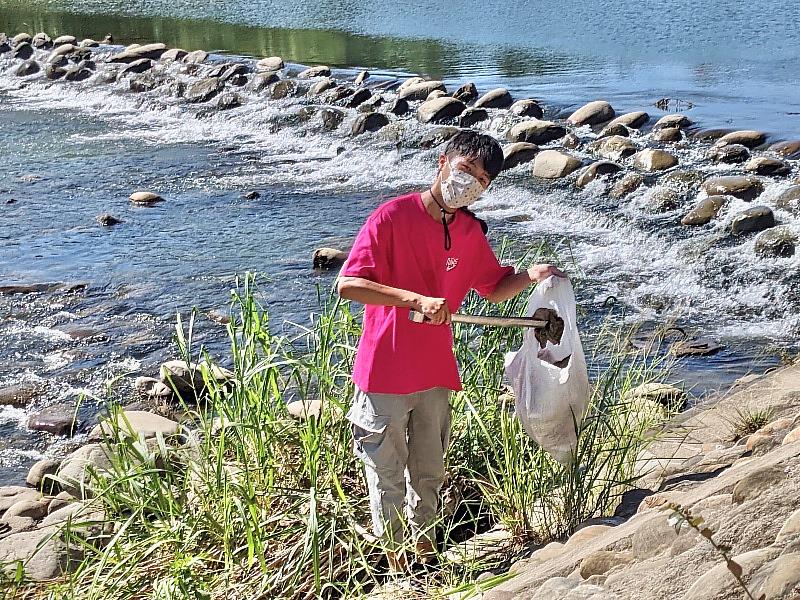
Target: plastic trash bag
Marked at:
550, 400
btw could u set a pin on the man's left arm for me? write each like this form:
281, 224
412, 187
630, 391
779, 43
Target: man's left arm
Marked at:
514, 283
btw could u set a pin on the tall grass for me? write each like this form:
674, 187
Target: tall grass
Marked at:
249, 502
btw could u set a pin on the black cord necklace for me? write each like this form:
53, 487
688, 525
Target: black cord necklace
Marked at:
447, 239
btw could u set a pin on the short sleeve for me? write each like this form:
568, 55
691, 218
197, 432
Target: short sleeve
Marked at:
489, 271
369, 256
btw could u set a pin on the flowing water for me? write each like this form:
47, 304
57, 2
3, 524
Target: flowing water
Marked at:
69, 151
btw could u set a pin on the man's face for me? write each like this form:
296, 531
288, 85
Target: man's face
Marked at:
473, 166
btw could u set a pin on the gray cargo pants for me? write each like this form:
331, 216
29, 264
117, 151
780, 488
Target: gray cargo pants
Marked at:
402, 438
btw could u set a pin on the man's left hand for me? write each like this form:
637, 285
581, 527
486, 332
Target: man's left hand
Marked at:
539, 273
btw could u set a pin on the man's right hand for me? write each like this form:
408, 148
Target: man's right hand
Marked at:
435, 310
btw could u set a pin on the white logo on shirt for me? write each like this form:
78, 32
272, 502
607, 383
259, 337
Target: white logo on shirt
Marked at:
451, 264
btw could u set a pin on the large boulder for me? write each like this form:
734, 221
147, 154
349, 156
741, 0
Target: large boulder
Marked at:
29, 67
75, 473
262, 80
421, 90
594, 113
40, 473
496, 98
137, 66
270, 63
667, 134
614, 129
749, 138
518, 153
614, 147
466, 93
535, 131
788, 149
134, 423
145, 198
282, 89
744, 188
634, 120
789, 199
729, 153
677, 120
756, 218
763, 165
369, 122
527, 108
42, 552
59, 419
440, 109
131, 54
710, 135
705, 210
318, 71
204, 90
323, 85
627, 185
777, 241
22, 51
19, 394
661, 199
595, 170
65, 39
328, 258
471, 116
654, 160
173, 55
195, 57
552, 164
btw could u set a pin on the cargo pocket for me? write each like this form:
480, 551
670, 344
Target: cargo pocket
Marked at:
369, 435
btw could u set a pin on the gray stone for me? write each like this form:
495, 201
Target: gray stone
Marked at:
593, 113
599, 563
60, 54
634, 120
11, 494
595, 170
61, 500
471, 116
440, 109
719, 582
654, 160
41, 470
173, 55
22, 51
65, 39
52, 71
195, 57
262, 80
535, 131
74, 473
398, 107
270, 63
627, 185
29, 67
413, 81
328, 258
705, 210
695, 347
663, 393
757, 218
305, 409
614, 129
756, 483
137, 66
729, 153
361, 78
661, 199
323, 85
466, 93
496, 98
76, 73
135, 423
789, 149
369, 122
42, 552
527, 108
613, 148
673, 121
21, 38
131, 54
763, 165
710, 135
32, 509
667, 134
789, 200
552, 164
420, 91
518, 153
744, 188
682, 180
282, 89
204, 90
42, 41
438, 136
58, 419
570, 141
749, 138
144, 197
331, 118
318, 71
777, 241
228, 101
18, 395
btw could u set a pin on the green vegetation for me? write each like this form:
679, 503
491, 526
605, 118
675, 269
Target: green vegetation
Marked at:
251, 503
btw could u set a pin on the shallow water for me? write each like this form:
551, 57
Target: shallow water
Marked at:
71, 151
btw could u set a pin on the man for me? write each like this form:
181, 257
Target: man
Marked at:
423, 252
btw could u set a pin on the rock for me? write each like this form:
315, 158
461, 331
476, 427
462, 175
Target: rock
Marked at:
438, 136
627, 185
673, 121
535, 131
710, 135
361, 78
318, 71
39, 472
89, 43
144, 384
21, 38
131, 54
730, 153
471, 116
719, 582
369, 122
173, 55
776, 242
323, 85
32, 509
262, 80
757, 218
270, 63
398, 107
661, 199
196, 57
440, 109
58, 56
705, 210
435, 94
420, 91
228, 101
602, 561
613, 148
760, 443
282, 89
781, 578
11, 494
496, 98
74, 473
653, 538
594, 113
518, 153
135, 423
413, 81
790, 149
58, 419
29, 67
695, 347
53, 72
662, 393
754, 484
76, 73
61, 500
138, 66
63, 513
305, 409
42, 41
654, 160
65, 39
466, 93
527, 108
792, 437
552, 164
185, 379
667, 134
12, 524
595, 170
331, 118
204, 90
583, 536
328, 258
550, 551
744, 188
107, 220
615, 129
22, 51
749, 138
143, 197
790, 528
18, 395
43, 554
789, 199
634, 120
160, 391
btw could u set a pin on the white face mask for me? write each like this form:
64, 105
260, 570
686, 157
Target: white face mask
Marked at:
460, 189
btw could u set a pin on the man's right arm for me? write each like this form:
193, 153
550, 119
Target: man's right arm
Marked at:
366, 291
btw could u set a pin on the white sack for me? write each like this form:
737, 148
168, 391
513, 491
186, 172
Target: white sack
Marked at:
549, 399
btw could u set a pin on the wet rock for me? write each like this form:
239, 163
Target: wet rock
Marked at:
744, 188
29, 67
788, 149
527, 108
76, 73
398, 107
323, 85
677, 120
440, 109
160, 391
318, 71
613, 148
339, 93
634, 120
174, 55
496, 98
661, 199
600, 562
21, 38
667, 134
331, 118
204, 90
58, 419
654, 160
661, 393
138, 66
4, 45
143, 197
789, 199
466, 93
438, 136
683, 180
594, 113
270, 63
705, 210
372, 104
42, 41
361, 78
134, 423
777, 241
369, 122
58, 56
729, 153
420, 91
518, 153
358, 98
695, 347
282, 89
435, 94
471, 116
595, 170
570, 141
22, 51
411, 81
144, 384
757, 218
107, 220
18, 395
626, 185
262, 79
196, 57
535, 131
328, 258
131, 54
749, 138
89, 43
65, 39
228, 101
710, 135
762, 165
615, 129
552, 164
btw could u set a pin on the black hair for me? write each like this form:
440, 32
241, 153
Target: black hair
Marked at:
472, 144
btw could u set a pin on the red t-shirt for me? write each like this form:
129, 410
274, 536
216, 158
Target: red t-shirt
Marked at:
401, 246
